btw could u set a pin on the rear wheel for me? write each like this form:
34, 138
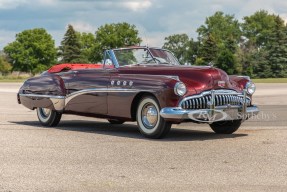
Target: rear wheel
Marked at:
149, 121
225, 127
48, 117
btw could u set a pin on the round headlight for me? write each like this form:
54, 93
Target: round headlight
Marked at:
180, 89
250, 87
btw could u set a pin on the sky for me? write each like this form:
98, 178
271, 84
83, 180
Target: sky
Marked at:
155, 19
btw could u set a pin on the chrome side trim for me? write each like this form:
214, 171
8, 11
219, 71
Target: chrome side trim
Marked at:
60, 102
168, 76
175, 77
42, 96
98, 90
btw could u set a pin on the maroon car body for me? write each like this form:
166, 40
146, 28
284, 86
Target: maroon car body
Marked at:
141, 84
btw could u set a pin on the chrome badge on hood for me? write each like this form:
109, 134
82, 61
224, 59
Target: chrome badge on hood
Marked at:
221, 83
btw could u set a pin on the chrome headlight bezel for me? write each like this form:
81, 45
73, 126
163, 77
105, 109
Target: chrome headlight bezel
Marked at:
250, 88
180, 89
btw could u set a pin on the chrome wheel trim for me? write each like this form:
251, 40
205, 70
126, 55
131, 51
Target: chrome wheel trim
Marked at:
44, 114
143, 123
149, 116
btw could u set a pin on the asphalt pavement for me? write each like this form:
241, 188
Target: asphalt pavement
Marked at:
87, 154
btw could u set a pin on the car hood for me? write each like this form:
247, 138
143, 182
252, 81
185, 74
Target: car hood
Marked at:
196, 78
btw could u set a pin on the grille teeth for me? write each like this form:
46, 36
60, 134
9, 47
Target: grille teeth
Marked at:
220, 100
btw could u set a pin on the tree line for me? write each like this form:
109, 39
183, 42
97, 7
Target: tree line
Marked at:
257, 46
34, 50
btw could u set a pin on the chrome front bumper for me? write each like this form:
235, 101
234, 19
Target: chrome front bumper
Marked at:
212, 113
208, 115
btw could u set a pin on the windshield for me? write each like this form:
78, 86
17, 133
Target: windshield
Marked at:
132, 56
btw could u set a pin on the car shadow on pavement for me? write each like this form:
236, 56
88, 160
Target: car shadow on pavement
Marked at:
197, 135
131, 130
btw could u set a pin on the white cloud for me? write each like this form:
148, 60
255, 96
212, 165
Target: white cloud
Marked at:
153, 40
58, 36
48, 2
155, 19
11, 4
149, 38
284, 17
6, 37
137, 5
83, 26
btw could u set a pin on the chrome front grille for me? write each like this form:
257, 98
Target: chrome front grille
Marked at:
203, 101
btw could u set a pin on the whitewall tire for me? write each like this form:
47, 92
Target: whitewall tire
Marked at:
48, 117
149, 121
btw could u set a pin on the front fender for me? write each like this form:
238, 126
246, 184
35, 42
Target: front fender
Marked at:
120, 104
162, 87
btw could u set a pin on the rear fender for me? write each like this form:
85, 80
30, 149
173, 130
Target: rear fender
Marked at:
46, 91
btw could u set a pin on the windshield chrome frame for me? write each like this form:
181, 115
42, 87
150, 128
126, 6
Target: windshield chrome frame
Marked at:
115, 61
166, 51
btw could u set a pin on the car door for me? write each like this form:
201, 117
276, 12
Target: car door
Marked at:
87, 91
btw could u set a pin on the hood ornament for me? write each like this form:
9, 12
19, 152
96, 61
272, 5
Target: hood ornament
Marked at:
210, 64
221, 84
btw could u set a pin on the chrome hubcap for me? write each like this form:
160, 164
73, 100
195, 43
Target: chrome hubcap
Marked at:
45, 113
149, 116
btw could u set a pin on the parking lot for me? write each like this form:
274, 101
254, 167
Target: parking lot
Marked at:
86, 154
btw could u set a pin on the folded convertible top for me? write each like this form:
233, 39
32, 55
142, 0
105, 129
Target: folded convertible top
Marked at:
68, 66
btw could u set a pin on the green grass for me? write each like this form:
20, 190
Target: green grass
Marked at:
270, 80
8, 79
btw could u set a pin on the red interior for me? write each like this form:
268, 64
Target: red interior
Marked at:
69, 66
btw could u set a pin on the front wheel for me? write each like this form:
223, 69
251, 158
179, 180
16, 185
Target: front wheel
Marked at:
225, 127
149, 121
48, 117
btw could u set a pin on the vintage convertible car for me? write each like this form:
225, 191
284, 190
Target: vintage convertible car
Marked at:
142, 84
